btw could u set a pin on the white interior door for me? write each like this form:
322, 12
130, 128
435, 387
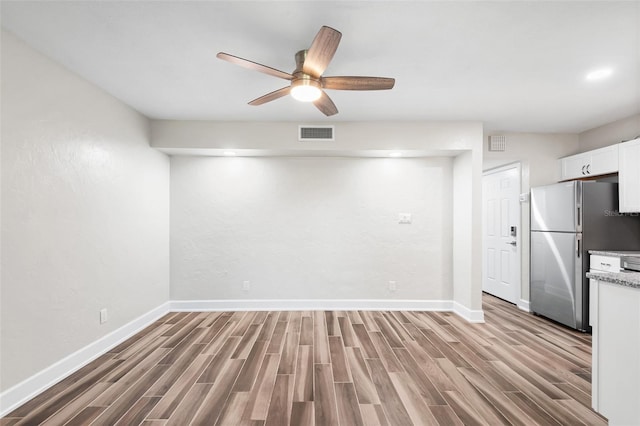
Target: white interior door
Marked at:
501, 232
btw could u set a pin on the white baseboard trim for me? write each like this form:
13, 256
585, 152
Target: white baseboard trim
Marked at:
524, 305
17, 395
473, 316
311, 305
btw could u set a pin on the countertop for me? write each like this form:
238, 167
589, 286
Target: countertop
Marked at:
615, 253
626, 278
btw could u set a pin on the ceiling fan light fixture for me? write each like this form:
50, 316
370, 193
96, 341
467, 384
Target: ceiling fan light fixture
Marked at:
306, 90
307, 82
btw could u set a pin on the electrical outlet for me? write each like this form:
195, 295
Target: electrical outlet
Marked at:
246, 285
404, 218
393, 286
103, 316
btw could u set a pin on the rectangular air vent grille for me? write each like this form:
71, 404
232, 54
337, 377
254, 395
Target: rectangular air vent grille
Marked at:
498, 143
316, 133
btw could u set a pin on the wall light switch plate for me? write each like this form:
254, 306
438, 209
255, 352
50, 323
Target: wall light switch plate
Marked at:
103, 316
404, 218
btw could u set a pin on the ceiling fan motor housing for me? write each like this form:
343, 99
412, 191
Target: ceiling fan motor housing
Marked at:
304, 87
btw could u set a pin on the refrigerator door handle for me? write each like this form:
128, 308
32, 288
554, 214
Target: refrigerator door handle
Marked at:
579, 219
578, 239
578, 209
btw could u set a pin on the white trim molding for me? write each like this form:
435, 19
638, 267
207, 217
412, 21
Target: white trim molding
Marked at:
17, 395
524, 305
473, 316
310, 305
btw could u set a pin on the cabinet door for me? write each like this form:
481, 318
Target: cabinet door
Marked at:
618, 369
575, 166
594, 287
603, 161
629, 176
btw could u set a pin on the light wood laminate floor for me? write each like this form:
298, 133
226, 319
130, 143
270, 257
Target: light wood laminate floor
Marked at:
331, 368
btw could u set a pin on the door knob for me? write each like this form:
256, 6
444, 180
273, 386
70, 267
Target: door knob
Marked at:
513, 243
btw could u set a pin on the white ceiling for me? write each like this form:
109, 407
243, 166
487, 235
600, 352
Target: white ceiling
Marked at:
516, 66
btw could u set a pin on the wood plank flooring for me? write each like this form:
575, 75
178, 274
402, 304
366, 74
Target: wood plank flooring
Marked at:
331, 368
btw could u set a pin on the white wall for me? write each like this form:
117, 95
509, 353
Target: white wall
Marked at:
462, 209
467, 235
538, 155
85, 214
360, 139
609, 134
310, 228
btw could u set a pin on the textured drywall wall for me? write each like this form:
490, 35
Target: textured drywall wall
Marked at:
85, 214
537, 152
310, 228
467, 235
611, 133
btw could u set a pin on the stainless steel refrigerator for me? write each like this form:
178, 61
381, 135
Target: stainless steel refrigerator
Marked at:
567, 220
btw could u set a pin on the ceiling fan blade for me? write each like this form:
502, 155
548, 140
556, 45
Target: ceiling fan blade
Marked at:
326, 105
321, 52
358, 83
254, 66
271, 96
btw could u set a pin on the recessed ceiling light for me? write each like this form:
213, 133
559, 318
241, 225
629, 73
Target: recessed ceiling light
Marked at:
229, 153
599, 74
395, 154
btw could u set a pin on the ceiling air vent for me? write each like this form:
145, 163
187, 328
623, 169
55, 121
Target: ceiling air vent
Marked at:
316, 133
497, 143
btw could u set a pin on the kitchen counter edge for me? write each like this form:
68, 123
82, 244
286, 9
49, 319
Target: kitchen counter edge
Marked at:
614, 253
627, 279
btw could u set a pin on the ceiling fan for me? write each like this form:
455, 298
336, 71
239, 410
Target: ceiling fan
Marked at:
307, 82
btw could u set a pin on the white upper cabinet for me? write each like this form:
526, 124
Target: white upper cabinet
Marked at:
591, 163
604, 160
629, 176
574, 167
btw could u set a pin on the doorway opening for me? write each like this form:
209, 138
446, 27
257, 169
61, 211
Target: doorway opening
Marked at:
501, 232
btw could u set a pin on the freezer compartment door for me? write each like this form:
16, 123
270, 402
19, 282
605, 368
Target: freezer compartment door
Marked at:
556, 286
556, 207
